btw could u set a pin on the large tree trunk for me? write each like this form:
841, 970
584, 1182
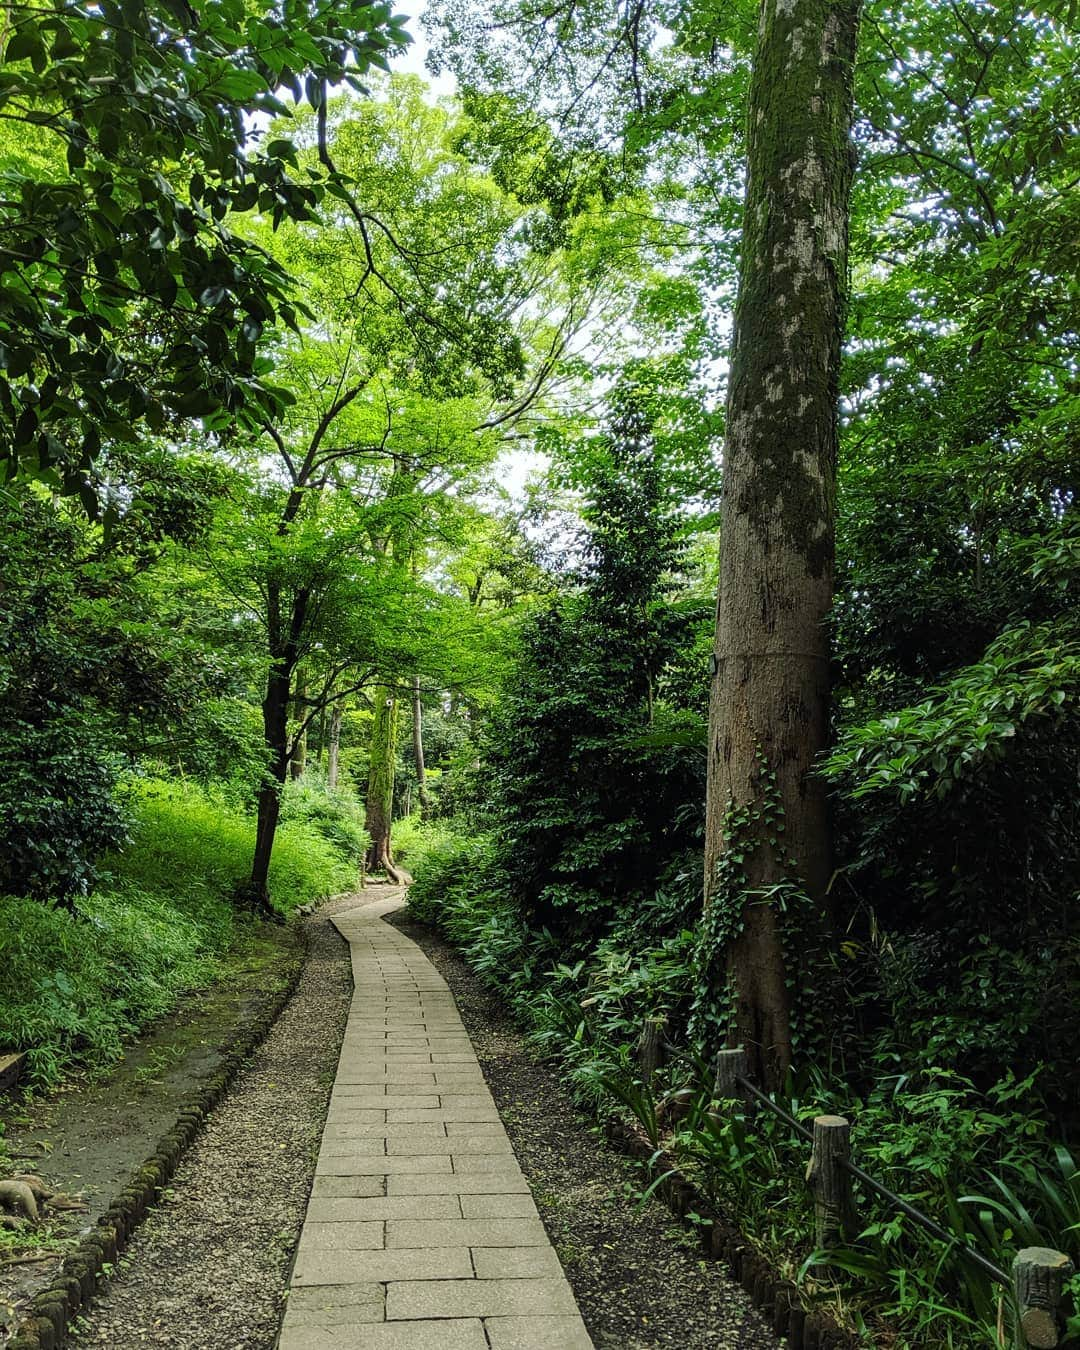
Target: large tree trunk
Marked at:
418, 750
769, 709
380, 792
334, 748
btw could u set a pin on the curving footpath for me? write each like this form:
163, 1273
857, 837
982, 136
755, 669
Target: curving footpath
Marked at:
420, 1233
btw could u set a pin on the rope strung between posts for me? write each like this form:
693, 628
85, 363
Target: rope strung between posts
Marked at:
942, 1234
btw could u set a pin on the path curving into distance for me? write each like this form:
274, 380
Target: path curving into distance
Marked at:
421, 1233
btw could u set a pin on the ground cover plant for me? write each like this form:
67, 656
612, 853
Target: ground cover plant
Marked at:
80, 980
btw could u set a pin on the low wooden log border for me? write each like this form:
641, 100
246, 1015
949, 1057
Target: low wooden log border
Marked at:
46, 1324
776, 1297
1036, 1280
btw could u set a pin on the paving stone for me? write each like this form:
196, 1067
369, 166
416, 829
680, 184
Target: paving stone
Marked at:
455, 1334
352, 1187
385, 1207
386, 1096
338, 1129
497, 1207
334, 1306
516, 1263
412, 1265
484, 1162
335, 1147
356, 1115
406, 1143
460, 1183
464, 1114
536, 1333
466, 1233
322, 1297
477, 1298
349, 1235
362, 1165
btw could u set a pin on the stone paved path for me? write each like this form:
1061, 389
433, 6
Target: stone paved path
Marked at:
421, 1233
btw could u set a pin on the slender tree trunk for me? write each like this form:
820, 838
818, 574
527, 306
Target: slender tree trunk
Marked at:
380, 792
334, 748
769, 708
418, 750
298, 761
284, 657
320, 739
275, 710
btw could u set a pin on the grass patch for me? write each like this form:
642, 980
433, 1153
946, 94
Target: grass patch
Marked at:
76, 983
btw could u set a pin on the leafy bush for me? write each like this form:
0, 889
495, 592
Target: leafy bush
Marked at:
188, 842
334, 814
415, 840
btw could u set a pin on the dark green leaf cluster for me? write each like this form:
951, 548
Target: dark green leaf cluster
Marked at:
127, 302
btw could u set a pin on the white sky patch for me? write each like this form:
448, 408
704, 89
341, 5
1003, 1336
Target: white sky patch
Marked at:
413, 61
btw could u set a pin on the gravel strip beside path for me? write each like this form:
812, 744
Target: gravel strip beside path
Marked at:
208, 1267
638, 1277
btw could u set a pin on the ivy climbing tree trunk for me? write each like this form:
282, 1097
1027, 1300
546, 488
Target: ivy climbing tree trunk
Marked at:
767, 824
380, 791
418, 750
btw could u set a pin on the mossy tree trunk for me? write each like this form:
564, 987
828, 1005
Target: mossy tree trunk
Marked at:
418, 750
769, 706
380, 790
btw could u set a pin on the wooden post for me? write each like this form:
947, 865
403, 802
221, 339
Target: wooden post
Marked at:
1039, 1276
652, 1046
730, 1066
829, 1181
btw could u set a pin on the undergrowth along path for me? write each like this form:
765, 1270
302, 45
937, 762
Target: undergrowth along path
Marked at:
208, 1267
421, 1233
638, 1276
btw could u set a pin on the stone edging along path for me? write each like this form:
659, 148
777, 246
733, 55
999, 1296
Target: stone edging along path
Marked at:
421, 1233
51, 1310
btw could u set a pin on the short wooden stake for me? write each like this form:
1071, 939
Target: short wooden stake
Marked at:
652, 1046
829, 1181
1039, 1276
730, 1066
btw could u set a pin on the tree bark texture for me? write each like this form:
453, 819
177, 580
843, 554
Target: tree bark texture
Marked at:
769, 703
418, 750
380, 792
333, 750
298, 760
275, 710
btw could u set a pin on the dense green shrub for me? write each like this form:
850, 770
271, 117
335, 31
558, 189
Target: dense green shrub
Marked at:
74, 982
335, 815
187, 842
